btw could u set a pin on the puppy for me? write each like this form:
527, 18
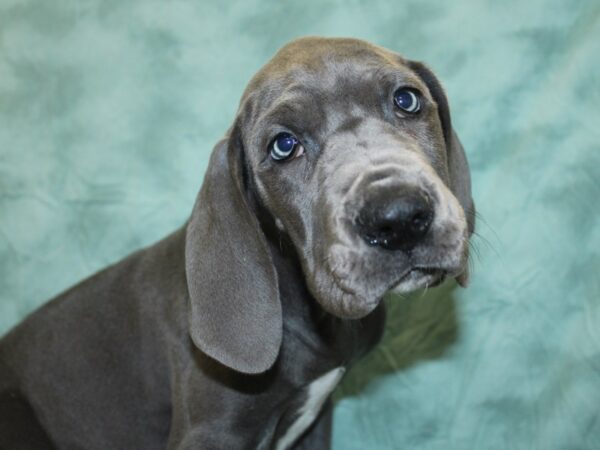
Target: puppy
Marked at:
340, 179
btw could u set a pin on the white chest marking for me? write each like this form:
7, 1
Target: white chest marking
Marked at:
318, 391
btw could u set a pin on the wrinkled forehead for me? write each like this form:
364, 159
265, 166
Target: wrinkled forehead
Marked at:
334, 74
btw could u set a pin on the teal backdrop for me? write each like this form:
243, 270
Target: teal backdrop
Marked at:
109, 110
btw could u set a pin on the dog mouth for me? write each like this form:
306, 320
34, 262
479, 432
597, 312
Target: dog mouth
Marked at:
357, 296
419, 277
354, 282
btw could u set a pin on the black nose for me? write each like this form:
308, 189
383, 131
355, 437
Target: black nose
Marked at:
396, 220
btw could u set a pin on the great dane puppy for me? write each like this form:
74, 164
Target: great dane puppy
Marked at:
340, 179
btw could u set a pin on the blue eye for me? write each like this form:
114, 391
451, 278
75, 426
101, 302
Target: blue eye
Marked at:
408, 100
283, 146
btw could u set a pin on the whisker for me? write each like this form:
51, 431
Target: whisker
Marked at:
487, 242
481, 219
476, 251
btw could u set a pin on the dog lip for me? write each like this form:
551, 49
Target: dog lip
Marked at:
438, 274
423, 274
434, 271
435, 274
344, 287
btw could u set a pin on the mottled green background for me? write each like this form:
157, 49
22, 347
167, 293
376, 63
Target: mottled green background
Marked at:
108, 112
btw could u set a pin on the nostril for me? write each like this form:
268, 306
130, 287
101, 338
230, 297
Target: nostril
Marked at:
420, 221
386, 230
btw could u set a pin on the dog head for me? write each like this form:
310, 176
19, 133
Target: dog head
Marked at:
350, 149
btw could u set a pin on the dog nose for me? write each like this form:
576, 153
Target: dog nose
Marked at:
396, 220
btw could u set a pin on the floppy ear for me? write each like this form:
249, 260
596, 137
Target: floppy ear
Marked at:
235, 307
458, 167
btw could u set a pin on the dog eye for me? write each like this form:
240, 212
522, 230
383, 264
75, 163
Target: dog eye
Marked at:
284, 146
408, 100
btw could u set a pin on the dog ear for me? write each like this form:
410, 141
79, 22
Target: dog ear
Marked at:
458, 167
235, 307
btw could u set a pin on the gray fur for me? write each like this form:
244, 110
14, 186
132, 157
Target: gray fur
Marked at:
209, 338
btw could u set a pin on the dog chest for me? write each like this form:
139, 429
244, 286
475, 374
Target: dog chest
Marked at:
316, 393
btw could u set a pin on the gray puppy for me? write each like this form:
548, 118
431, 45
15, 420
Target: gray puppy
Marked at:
340, 179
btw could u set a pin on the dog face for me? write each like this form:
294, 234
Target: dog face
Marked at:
350, 151
350, 148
